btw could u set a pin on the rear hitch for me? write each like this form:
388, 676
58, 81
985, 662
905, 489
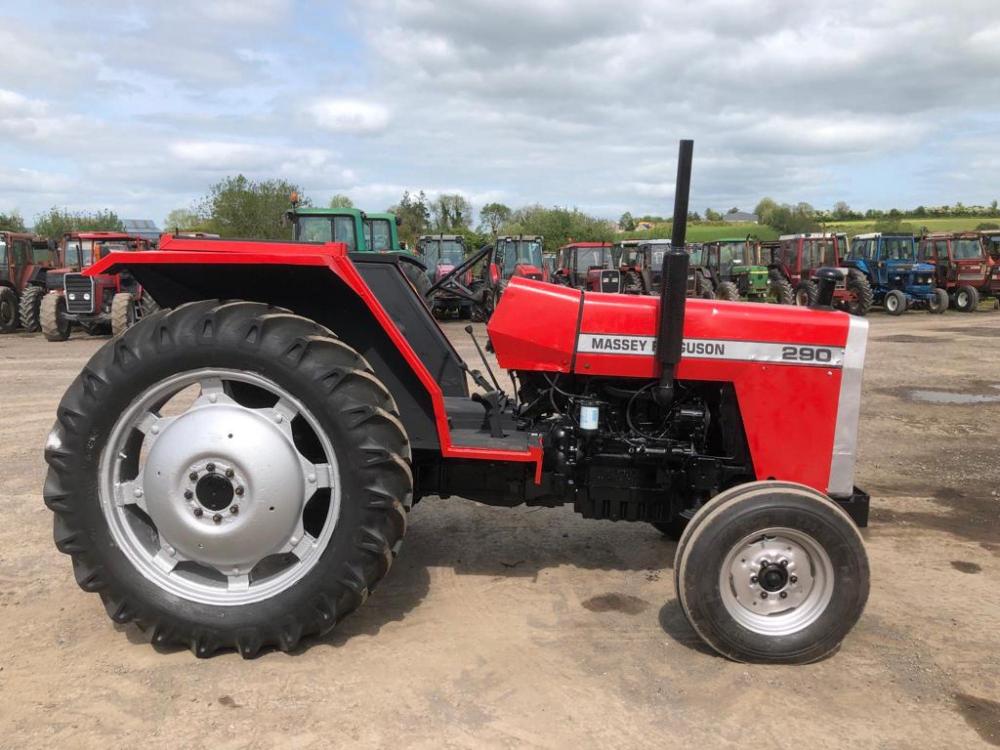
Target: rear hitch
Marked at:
673, 289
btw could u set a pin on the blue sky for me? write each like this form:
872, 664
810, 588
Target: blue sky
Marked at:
139, 106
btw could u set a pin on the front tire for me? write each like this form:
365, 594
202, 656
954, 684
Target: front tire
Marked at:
895, 302
806, 294
30, 308
781, 291
938, 302
124, 312
727, 291
772, 572
285, 564
55, 324
860, 293
8, 310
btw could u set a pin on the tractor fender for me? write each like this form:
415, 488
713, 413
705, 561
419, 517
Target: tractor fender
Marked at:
363, 298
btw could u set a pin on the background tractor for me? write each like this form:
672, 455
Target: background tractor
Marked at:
98, 303
798, 259
442, 253
897, 279
587, 265
361, 232
509, 257
737, 272
24, 261
641, 264
236, 472
961, 267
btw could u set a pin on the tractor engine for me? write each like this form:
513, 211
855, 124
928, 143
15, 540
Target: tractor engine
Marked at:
615, 453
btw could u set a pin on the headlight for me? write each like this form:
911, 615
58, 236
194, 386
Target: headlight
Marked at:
72, 296
86, 296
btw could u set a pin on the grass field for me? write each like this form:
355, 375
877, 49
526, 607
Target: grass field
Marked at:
702, 231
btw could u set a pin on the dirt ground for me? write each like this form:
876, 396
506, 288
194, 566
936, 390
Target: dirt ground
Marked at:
533, 627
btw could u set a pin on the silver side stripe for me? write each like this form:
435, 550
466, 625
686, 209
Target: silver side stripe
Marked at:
744, 351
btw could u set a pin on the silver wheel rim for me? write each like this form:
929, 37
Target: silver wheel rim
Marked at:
963, 299
210, 504
776, 582
891, 304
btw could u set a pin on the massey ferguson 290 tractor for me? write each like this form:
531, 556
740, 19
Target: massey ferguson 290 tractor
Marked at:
237, 471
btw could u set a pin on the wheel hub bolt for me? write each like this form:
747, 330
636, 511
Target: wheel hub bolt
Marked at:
198, 512
239, 491
783, 563
188, 494
193, 476
793, 579
234, 509
230, 473
783, 594
217, 518
209, 467
763, 595
753, 579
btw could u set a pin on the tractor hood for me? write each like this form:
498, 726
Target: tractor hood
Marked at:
539, 326
527, 271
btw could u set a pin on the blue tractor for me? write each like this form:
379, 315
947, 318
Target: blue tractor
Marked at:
897, 279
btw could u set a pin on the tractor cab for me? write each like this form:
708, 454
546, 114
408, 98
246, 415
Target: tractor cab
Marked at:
991, 244
897, 278
587, 265
518, 256
640, 263
961, 267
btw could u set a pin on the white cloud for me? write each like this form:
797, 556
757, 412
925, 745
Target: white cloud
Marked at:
352, 116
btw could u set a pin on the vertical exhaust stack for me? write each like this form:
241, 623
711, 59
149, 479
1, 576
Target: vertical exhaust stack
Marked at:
673, 289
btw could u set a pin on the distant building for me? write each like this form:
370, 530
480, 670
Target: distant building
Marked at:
740, 217
145, 228
643, 226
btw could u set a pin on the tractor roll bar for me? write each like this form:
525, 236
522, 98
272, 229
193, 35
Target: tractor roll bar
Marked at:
673, 287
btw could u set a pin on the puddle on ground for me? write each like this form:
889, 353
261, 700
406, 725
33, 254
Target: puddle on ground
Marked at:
966, 567
951, 397
906, 338
630, 605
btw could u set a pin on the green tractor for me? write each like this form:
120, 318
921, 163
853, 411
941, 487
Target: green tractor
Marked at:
362, 233
738, 273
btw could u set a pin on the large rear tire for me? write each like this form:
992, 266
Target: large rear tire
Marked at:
966, 299
30, 308
8, 310
780, 291
56, 326
861, 296
419, 279
262, 507
772, 572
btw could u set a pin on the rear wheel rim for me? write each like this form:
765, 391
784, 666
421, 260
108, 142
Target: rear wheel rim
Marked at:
210, 504
776, 581
891, 304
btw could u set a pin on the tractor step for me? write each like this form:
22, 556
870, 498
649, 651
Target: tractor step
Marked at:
469, 428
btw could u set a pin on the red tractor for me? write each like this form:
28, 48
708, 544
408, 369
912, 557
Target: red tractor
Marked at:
442, 253
962, 267
98, 303
798, 258
237, 472
517, 256
587, 265
24, 261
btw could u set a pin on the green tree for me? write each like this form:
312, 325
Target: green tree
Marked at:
451, 212
492, 217
414, 217
765, 210
711, 215
626, 223
11, 222
341, 201
59, 221
560, 225
184, 220
240, 207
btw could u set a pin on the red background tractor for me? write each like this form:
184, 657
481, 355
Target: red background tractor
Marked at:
962, 267
587, 265
24, 261
798, 258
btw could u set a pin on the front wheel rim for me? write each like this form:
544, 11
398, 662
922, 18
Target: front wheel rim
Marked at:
210, 504
776, 582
